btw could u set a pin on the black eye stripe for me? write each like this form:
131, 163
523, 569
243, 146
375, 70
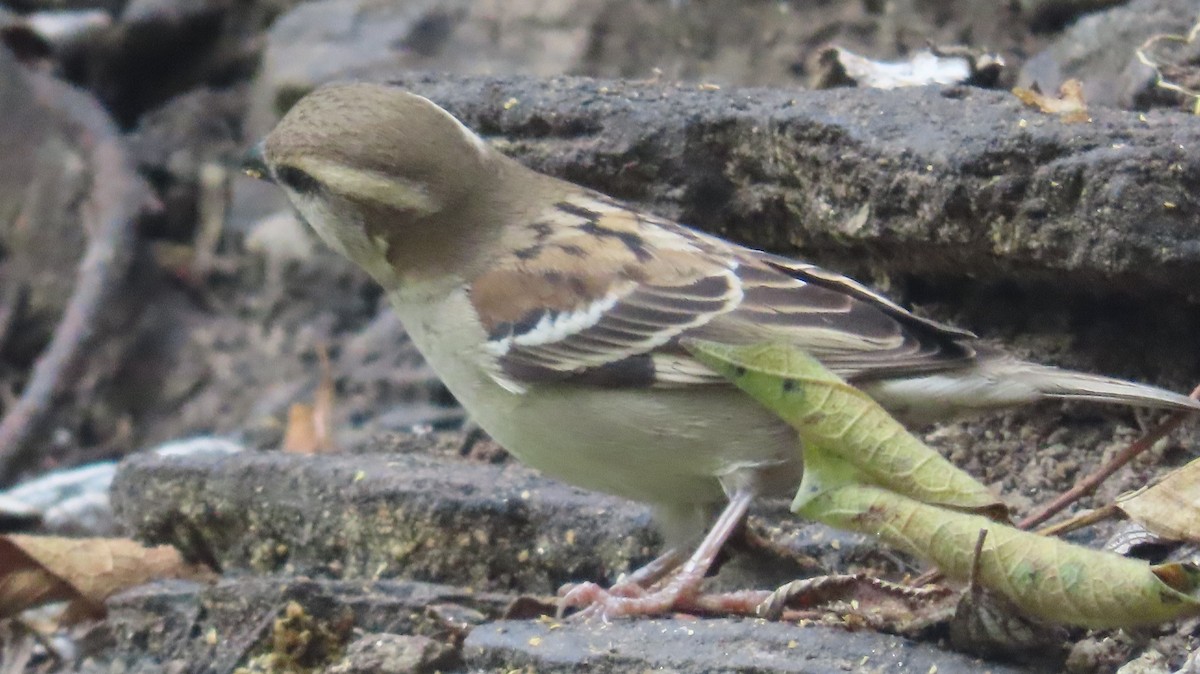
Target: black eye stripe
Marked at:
296, 179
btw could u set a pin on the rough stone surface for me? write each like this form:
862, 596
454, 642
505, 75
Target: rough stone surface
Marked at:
950, 196
394, 654
418, 511
410, 515
188, 628
704, 646
1099, 51
216, 629
359, 537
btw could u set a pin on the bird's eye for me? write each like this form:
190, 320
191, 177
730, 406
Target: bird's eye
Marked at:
297, 180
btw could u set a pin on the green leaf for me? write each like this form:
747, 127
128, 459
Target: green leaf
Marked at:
864, 472
1045, 577
829, 413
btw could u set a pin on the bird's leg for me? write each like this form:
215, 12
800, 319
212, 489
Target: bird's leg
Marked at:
654, 570
635, 583
682, 586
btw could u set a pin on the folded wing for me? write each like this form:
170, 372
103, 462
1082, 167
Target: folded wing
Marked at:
601, 294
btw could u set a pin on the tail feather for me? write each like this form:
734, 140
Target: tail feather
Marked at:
1056, 383
998, 382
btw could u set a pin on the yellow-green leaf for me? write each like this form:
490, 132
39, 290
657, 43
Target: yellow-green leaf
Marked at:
1046, 577
828, 412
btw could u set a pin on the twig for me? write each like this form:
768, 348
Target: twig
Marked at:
826, 589
1160, 81
976, 558
1081, 520
1083, 487
116, 196
1089, 483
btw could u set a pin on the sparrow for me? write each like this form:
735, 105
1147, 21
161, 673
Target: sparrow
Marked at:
554, 314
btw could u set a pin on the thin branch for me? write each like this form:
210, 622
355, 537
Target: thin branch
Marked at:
1088, 484
117, 195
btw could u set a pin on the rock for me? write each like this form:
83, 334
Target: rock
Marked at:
407, 514
404, 627
394, 654
1099, 50
687, 647
408, 508
218, 628
959, 196
925, 181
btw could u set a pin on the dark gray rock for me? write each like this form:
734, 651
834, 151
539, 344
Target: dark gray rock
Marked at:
408, 515
339, 528
391, 626
1011, 220
394, 654
216, 629
687, 647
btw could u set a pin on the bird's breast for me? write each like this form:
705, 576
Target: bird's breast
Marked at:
650, 445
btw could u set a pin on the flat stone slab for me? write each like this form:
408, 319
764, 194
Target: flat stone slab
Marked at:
218, 628
409, 514
695, 646
178, 626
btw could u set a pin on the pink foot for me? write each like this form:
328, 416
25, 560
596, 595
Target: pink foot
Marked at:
620, 601
679, 590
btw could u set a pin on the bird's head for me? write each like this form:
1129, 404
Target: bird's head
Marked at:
384, 176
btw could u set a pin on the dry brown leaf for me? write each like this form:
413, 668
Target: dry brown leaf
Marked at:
1068, 105
310, 427
1170, 508
36, 570
300, 437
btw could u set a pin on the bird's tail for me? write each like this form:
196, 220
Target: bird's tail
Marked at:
1053, 382
1000, 381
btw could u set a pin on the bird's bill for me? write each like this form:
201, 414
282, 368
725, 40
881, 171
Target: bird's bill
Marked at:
254, 163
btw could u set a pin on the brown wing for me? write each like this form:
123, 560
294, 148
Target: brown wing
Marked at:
851, 329
599, 293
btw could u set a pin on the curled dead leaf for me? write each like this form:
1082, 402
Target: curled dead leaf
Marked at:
1170, 508
37, 570
1068, 105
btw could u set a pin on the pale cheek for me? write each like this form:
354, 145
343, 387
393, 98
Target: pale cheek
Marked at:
345, 236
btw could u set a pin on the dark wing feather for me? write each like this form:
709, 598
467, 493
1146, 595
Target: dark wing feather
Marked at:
850, 329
